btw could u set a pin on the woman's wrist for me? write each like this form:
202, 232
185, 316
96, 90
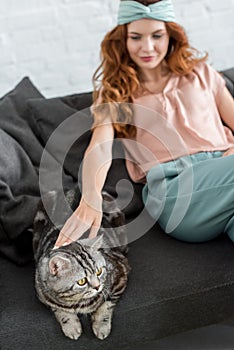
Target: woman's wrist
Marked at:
93, 200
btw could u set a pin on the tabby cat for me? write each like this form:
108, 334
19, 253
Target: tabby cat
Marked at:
84, 277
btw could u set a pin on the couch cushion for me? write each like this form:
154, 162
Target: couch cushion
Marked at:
78, 101
66, 134
47, 114
65, 124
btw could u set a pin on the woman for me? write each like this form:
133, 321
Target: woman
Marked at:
149, 68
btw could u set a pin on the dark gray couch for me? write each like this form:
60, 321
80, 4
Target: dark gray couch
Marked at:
173, 286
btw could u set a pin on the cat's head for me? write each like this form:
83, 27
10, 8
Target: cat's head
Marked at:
76, 271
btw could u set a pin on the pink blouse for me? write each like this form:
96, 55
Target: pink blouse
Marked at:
181, 120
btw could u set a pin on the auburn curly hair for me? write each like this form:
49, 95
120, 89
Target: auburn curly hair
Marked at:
117, 76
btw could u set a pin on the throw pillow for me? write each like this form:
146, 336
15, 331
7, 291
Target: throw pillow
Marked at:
15, 118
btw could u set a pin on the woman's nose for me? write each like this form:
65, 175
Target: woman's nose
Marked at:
148, 45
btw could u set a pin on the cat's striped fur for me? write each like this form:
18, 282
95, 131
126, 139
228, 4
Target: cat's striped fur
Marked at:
85, 277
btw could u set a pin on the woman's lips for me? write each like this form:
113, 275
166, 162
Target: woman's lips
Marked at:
147, 58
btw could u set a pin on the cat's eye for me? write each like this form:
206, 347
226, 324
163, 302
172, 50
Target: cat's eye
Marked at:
82, 281
99, 271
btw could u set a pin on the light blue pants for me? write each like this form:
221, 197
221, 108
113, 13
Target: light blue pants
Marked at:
192, 198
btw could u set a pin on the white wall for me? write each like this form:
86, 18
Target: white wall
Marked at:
56, 42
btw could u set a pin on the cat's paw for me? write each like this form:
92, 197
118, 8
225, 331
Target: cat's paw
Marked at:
102, 329
69, 323
72, 330
101, 320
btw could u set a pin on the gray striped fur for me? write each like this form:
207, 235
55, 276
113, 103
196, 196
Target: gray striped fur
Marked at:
101, 262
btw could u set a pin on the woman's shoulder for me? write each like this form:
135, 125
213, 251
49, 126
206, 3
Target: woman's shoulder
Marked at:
206, 72
203, 78
202, 68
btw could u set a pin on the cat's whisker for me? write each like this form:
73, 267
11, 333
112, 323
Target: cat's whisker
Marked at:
104, 296
108, 292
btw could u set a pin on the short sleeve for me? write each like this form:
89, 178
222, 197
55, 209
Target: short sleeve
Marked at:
211, 79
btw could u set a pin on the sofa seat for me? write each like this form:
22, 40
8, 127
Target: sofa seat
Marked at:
173, 287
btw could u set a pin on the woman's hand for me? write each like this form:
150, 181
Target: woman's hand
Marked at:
228, 152
85, 217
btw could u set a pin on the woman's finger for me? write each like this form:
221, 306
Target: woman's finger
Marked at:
71, 231
228, 152
65, 234
93, 232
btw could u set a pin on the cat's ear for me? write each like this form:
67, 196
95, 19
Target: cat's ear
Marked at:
58, 264
98, 242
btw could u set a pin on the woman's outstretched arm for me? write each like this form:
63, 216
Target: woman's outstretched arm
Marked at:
97, 161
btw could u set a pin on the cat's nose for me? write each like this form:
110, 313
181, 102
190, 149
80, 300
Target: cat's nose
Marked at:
96, 286
94, 282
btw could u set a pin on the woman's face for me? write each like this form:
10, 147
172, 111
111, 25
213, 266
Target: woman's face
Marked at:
147, 42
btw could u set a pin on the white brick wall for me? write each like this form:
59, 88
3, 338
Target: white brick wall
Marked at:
56, 42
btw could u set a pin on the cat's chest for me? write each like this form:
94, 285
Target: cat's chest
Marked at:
89, 305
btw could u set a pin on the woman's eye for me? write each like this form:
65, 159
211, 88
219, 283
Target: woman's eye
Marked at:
135, 37
82, 281
157, 36
99, 272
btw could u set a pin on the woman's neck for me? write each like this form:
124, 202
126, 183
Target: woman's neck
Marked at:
154, 81
153, 75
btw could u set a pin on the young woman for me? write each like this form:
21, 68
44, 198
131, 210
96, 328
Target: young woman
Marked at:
175, 117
